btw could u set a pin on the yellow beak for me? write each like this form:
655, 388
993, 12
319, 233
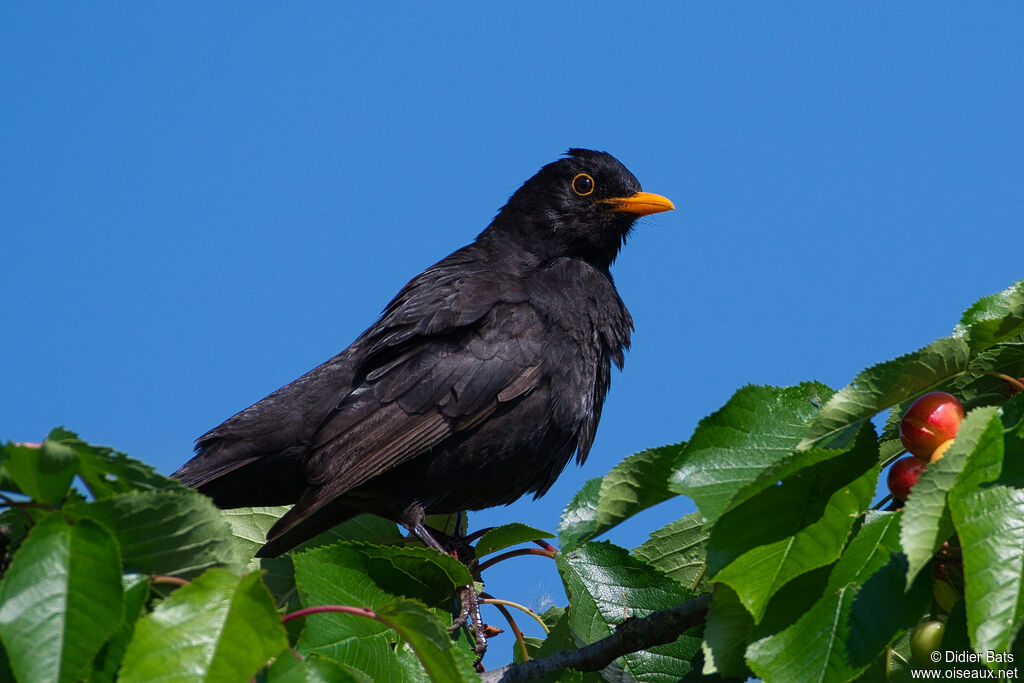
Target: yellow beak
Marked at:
641, 203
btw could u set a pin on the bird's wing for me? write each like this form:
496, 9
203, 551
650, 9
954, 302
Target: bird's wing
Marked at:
256, 457
424, 379
424, 388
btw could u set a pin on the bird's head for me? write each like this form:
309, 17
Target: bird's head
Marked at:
583, 206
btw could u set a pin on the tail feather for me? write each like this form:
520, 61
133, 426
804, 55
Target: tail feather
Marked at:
297, 526
236, 477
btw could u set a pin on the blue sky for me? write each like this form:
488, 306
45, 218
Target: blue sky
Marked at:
199, 203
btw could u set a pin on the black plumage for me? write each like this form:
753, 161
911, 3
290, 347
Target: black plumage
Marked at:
478, 383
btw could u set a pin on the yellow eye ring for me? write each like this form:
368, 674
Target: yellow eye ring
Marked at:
583, 184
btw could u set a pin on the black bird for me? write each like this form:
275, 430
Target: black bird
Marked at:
477, 384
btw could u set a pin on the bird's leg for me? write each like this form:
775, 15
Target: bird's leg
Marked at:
470, 611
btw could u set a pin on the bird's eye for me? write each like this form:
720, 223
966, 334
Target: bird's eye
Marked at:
582, 184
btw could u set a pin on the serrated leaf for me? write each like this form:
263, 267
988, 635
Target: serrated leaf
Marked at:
450, 523
356, 574
794, 527
926, 521
107, 472
678, 549
559, 638
887, 384
634, 484
61, 598
976, 387
579, 518
108, 662
180, 533
606, 586
726, 633
507, 535
293, 668
428, 637
217, 628
733, 447
366, 528
989, 520
249, 526
863, 609
993, 318
42, 473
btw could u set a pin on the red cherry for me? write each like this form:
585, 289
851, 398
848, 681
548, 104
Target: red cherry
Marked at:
903, 475
932, 420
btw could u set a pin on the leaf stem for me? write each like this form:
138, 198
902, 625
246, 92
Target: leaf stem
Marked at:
515, 553
545, 545
22, 506
520, 639
171, 580
700, 577
497, 602
884, 501
1001, 375
345, 609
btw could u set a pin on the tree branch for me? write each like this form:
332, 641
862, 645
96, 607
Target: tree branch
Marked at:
631, 635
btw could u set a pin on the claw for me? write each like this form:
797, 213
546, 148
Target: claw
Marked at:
469, 614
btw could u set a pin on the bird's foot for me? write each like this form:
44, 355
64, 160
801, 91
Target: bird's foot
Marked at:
469, 613
469, 616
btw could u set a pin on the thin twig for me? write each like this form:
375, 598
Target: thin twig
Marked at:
631, 635
22, 506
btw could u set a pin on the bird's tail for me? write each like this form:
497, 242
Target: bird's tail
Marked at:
235, 476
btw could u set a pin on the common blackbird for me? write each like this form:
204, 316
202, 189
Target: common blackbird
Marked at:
477, 384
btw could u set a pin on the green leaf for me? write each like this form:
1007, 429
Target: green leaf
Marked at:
606, 586
180, 533
108, 662
421, 573
636, 483
990, 522
993, 318
794, 527
217, 628
726, 632
107, 473
452, 523
886, 384
861, 612
678, 549
733, 447
60, 599
428, 637
894, 665
975, 388
43, 474
366, 528
361, 575
926, 522
249, 526
506, 535
579, 519
293, 668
